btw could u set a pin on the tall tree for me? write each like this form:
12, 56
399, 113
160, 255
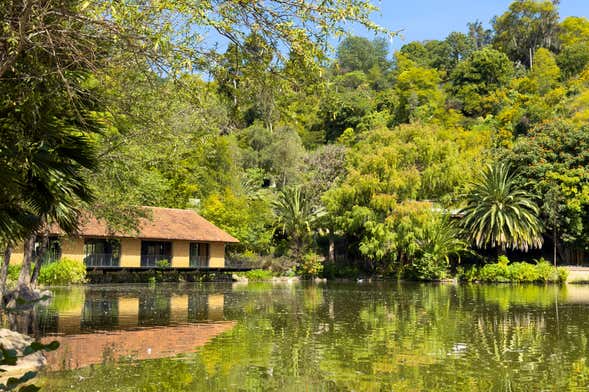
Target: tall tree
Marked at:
527, 26
500, 213
361, 54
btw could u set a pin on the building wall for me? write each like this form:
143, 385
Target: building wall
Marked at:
18, 254
180, 254
72, 248
130, 252
217, 253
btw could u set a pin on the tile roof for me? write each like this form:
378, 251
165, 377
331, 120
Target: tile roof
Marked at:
163, 224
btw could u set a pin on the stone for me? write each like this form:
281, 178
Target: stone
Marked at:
11, 340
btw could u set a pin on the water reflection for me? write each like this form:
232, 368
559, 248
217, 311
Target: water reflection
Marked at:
381, 336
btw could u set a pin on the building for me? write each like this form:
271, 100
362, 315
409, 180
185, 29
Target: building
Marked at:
169, 237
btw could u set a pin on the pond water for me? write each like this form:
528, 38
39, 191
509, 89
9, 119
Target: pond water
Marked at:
319, 337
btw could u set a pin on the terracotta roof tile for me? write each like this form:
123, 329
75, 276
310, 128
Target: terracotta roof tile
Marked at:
165, 224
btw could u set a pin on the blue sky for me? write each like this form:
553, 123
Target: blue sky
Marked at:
434, 19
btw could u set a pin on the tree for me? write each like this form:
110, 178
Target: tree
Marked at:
45, 151
480, 36
552, 162
476, 78
500, 213
545, 72
296, 216
574, 38
361, 54
527, 26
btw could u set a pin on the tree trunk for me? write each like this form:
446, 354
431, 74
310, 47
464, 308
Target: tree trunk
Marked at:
554, 247
40, 259
24, 279
331, 249
4, 271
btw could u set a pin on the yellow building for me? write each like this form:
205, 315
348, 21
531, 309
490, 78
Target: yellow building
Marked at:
173, 237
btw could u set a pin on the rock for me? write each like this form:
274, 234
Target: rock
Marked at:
25, 297
285, 279
240, 279
11, 340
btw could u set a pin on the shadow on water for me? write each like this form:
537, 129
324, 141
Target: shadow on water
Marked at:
378, 336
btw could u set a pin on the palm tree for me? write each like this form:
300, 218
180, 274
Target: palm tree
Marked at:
501, 214
46, 151
296, 216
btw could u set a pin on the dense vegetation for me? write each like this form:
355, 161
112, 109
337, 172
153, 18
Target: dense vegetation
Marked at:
391, 163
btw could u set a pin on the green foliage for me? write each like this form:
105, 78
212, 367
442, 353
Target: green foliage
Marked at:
256, 275
336, 271
163, 263
525, 27
360, 54
500, 214
311, 266
518, 272
296, 217
63, 272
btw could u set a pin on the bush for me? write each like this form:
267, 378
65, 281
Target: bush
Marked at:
336, 271
563, 275
520, 272
494, 273
311, 266
427, 267
523, 272
468, 274
546, 271
62, 272
163, 263
13, 272
257, 275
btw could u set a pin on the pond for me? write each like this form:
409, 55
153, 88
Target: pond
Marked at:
320, 337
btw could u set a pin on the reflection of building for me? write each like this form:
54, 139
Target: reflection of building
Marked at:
82, 350
173, 237
143, 327
126, 312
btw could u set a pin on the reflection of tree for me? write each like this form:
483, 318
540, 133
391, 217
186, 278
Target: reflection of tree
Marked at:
375, 337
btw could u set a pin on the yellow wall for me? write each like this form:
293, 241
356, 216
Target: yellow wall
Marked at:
217, 253
72, 248
130, 252
180, 254
18, 253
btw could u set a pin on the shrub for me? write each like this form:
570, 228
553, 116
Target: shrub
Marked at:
520, 272
13, 272
563, 275
523, 272
311, 266
427, 267
336, 271
494, 273
468, 274
163, 263
257, 275
546, 271
62, 272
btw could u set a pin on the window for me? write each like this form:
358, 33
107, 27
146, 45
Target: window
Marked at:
101, 252
199, 254
53, 249
153, 252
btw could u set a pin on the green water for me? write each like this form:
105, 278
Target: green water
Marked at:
326, 337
